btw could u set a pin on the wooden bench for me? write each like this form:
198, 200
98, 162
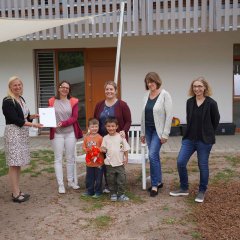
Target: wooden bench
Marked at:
137, 154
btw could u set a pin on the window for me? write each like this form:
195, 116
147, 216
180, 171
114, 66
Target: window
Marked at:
236, 85
71, 69
54, 66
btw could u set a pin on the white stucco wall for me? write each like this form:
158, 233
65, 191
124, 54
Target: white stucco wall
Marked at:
177, 58
17, 58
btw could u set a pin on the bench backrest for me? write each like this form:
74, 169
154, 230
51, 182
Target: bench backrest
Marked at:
134, 155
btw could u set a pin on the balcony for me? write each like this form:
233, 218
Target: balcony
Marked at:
141, 17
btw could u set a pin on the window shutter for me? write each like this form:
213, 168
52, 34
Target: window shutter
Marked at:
46, 79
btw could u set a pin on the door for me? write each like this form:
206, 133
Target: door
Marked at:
236, 86
100, 67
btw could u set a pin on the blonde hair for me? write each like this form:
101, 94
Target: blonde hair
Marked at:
112, 83
10, 81
207, 91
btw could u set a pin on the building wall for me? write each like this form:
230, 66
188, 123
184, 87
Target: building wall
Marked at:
177, 58
17, 58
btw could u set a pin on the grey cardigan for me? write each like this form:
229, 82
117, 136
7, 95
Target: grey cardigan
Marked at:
162, 114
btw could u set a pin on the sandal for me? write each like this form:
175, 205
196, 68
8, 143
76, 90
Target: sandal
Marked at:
20, 198
25, 194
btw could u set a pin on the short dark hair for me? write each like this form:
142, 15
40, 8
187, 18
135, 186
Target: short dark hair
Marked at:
111, 120
93, 121
152, 77
70, 89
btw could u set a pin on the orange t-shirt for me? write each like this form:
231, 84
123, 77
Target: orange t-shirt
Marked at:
96, 141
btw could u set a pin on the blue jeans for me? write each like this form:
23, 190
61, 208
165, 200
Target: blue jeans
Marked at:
187, 149
94, 180
154, 146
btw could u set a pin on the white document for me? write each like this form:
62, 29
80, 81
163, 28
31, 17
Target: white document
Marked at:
237, 84
47, 117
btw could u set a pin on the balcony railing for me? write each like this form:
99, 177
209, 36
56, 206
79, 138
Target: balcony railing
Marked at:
141, 17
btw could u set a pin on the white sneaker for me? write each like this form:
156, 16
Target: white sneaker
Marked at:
61, 189
73, 185
106, 190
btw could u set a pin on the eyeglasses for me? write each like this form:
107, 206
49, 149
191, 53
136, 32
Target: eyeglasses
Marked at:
198, 86
64, 87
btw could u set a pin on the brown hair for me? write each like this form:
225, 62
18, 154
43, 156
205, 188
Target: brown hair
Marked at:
152, 77
93, 121
207, 91
70, 89
112, 83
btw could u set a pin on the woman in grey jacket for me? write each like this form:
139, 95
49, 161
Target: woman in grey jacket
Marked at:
155, 126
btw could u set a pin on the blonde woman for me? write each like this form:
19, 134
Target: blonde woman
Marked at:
202, 121
16, 135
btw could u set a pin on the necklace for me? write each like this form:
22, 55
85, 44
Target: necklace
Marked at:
111, 103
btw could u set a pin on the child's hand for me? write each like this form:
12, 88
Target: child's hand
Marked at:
103, 149
125, 161
86, 150
122, 134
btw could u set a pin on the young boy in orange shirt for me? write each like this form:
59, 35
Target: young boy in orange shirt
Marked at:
94, 159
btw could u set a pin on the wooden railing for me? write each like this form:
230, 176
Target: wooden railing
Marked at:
142, 17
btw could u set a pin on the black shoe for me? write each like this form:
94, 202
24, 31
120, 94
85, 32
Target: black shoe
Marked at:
153, 193
159, 186
20, 198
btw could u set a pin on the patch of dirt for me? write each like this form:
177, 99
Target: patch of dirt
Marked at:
48, 215
219, 216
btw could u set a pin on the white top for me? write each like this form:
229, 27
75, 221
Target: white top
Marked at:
162, 114
116, 146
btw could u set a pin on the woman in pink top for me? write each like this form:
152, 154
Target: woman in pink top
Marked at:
65, 135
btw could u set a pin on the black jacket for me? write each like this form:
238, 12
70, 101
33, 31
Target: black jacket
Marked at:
210, 119
13, 112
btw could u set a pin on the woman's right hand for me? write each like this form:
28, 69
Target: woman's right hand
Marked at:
37, 125
143, 140
59, 124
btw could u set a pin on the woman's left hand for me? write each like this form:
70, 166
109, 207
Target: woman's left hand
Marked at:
59, 124
33, 116
122, 133
163, 140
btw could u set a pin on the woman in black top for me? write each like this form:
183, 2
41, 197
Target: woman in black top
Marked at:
16, 135
202, 121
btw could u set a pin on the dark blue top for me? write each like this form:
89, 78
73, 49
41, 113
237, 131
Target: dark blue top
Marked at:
106, 113
149, 120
